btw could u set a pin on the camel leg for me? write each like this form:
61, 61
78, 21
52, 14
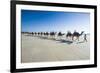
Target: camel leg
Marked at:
66, 37
72, 38
53, 36
60, 37
78, 38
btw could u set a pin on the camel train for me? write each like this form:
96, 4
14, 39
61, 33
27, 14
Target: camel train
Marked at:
72, 36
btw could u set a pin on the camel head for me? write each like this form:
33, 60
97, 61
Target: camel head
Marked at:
82, 32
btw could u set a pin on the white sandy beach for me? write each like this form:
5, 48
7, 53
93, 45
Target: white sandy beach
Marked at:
36, 49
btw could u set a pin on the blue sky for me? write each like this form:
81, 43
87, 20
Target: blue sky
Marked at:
47, 21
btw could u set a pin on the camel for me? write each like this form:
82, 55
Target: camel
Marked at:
46, 33
38, 33
69, 34
60, 34
77, 35
52, 34
32, 33
35, 33
41, 33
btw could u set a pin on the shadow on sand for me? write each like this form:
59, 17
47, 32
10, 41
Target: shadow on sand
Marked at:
60, 41
80, 42
66, 41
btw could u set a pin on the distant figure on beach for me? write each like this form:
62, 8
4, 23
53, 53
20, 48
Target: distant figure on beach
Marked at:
85, 37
